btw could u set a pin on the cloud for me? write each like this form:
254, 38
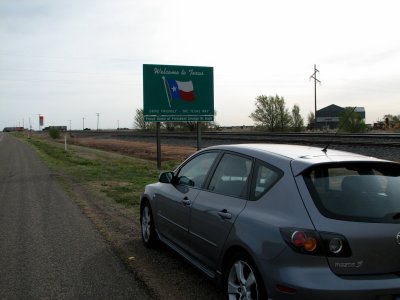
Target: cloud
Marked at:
78, 57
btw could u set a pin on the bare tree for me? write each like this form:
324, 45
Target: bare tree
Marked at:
139, 120
392, 121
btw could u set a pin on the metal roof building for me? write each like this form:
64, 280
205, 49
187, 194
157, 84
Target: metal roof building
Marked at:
328, 117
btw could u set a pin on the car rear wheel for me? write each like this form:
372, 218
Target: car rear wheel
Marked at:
149, 237
242, 279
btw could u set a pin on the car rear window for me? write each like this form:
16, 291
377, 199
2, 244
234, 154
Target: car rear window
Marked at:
367, 192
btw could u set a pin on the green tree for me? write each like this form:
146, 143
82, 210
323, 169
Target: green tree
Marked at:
271, 113
310, 120
54, 133
284, 118
297, 119
351, 121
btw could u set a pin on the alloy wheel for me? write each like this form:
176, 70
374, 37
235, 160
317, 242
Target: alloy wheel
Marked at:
242, 282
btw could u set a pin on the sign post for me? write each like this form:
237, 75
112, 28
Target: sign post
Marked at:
158, 128
177, 94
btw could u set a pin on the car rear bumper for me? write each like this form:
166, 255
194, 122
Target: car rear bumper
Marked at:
313, 279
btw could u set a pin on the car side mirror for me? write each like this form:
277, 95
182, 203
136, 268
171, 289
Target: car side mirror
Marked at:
166, 177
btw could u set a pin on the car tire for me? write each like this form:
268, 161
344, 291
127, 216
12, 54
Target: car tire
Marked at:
242, 280
149, 236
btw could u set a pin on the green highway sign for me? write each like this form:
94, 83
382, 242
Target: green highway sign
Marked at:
178, 93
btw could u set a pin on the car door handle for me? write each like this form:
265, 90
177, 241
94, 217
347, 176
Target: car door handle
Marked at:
186, 201
225, 215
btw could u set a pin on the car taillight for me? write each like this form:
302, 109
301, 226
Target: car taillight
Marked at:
316, 242
301, 240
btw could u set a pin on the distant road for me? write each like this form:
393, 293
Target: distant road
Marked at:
48, 248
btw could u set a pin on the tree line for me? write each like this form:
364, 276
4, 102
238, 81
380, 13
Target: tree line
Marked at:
272, 115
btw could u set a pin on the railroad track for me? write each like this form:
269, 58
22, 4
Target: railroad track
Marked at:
385, 146
211, 137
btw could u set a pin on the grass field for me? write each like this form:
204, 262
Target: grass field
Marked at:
121, 178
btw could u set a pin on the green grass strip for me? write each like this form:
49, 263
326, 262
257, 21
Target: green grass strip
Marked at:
121, 178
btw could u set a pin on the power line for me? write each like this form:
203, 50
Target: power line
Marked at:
105, 73
119, 59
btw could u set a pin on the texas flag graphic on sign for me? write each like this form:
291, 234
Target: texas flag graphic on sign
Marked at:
181, 90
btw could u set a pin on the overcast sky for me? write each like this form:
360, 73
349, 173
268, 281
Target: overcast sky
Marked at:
72, 59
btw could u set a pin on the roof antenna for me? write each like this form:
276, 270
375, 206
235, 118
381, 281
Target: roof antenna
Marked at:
341, 126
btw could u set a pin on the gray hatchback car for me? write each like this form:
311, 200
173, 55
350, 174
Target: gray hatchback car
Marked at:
282, 221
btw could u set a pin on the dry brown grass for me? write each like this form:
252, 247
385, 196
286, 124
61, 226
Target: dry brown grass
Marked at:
139, 149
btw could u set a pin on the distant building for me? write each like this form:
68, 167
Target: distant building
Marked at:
12, 129
328, 117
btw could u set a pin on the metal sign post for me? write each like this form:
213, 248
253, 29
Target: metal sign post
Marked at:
198, 135
158, 126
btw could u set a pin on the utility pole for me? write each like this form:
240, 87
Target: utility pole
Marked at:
314, 76
98, 115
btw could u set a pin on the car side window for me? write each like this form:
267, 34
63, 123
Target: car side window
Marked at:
231, 176
265, 178
195, 171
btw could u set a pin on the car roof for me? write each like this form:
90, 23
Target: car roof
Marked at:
301, 157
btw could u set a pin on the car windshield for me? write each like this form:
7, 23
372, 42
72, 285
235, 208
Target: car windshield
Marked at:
366, 192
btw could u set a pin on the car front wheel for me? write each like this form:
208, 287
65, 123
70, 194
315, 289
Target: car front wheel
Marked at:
149, 237
242, 280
